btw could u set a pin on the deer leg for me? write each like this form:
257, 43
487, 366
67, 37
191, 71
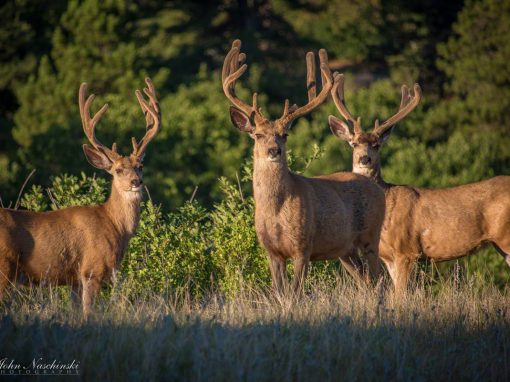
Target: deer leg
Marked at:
403, 267
277, 267
504, 252
300, 272
76, 293
6, 275
371, 253
390, 266
90, 284
354, 265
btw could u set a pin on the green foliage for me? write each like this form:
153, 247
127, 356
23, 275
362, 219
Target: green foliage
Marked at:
35, 200
241, 262
66, 191
477, 59
169, 252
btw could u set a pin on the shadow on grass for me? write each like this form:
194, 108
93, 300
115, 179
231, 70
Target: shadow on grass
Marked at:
337, 334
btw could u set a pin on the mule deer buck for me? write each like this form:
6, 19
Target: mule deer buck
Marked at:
81, 246
300, 218
420, 223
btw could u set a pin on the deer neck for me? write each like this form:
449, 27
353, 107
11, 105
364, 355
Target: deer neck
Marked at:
374, 173
271, 184
124, 210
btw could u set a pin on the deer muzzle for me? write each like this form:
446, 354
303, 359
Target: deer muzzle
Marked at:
274, 153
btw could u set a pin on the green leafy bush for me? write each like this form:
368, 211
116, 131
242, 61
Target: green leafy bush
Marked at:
240, 261
66, 191
169, 252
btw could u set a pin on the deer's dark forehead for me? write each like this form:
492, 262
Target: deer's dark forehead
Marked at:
127, 162
366, 139
269, 127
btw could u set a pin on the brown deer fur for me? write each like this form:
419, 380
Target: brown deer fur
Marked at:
80, 246
420, 223
300, 218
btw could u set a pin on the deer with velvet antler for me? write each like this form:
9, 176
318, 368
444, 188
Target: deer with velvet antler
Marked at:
81, 246
299, 218
421, 223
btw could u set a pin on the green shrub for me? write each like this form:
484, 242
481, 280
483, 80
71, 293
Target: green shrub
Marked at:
169, 252
66, 191
240, 261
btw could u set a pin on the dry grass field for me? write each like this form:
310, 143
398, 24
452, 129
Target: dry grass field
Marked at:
455, 332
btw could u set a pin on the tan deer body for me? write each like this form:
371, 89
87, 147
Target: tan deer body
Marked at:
420, 223
300, 218
470, 216
80, 246
34, 238
320, 218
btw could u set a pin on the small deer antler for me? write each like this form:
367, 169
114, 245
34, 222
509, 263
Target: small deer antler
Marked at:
152, 118
293, 112
230, 74
338, 97
89, 124
407, 104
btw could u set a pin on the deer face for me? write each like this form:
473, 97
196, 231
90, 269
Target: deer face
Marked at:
270, 147
127, 172
365, 146
270, 137
365, 154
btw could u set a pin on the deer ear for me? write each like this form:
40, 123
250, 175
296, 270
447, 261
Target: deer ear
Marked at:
97, 158
340, 129
240, 120
386, 135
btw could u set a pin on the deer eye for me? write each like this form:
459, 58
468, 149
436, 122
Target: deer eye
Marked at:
259, 136
119, 171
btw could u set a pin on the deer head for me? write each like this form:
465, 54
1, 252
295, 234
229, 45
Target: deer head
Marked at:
366, 159
270, 135
127, 171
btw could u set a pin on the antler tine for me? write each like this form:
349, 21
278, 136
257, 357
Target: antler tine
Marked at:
406, 97
339, 99
89, 124
233, 68
152, 118
323, 59
311, 84
407, 104
313, 101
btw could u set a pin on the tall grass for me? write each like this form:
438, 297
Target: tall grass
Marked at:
337, 331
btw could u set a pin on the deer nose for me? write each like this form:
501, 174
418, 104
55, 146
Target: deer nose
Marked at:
365, 159
136, 182
274, 152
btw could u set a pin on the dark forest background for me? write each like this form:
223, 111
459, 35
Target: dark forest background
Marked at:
458, 51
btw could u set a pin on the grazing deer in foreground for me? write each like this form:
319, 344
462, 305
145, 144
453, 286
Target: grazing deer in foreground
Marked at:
81, 246
300, 218
422, 223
